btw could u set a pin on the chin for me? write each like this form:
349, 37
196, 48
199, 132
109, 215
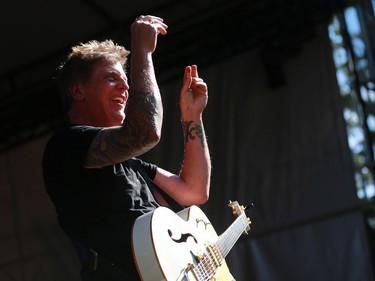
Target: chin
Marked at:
116, 120
122, 120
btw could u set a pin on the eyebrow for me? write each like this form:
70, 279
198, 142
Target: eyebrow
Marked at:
115, 72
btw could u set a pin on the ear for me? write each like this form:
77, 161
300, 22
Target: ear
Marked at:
76, 92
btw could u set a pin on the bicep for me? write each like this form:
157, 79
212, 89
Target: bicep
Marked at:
113, 145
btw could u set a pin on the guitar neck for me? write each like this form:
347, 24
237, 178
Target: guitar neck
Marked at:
228, 238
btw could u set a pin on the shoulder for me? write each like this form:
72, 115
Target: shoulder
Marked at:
73, 134
71, 131
70, 141
138, 163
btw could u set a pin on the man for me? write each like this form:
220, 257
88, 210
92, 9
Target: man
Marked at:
90, 169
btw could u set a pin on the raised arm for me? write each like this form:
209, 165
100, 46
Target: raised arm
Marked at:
142, 127
192, 185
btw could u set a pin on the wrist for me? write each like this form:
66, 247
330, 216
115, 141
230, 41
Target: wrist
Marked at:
192, 116
193, 131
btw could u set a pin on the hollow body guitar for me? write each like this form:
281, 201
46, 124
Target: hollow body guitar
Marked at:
184, 245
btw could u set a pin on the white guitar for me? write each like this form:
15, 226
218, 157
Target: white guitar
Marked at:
184, 246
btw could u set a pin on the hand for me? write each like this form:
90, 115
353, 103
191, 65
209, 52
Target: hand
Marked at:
144, 32
194, 93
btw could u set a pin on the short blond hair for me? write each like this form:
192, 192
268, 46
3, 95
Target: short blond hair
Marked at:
95, 50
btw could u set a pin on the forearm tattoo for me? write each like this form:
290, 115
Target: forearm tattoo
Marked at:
135, 136
192, 130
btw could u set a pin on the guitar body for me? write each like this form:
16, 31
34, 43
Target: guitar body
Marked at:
167, 246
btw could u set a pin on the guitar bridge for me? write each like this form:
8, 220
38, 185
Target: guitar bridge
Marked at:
190, 269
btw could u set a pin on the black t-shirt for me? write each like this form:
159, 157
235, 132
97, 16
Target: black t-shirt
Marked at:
96, 206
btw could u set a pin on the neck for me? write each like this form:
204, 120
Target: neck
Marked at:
77, 118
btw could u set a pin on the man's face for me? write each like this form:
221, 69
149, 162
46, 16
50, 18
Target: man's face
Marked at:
105, 95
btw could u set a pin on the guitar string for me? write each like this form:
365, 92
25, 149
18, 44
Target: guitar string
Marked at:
225, 245
206, 267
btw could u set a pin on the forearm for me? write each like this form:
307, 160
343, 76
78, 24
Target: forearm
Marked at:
145, 109
196, 166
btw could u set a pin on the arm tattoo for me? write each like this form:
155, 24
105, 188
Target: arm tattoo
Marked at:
104, 147
191, 131
134, 137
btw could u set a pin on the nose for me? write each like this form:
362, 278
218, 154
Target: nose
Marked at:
123, 84
125, 87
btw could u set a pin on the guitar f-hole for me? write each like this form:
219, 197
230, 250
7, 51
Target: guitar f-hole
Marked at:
184, 237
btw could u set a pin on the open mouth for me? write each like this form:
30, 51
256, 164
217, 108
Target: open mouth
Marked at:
119, 100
